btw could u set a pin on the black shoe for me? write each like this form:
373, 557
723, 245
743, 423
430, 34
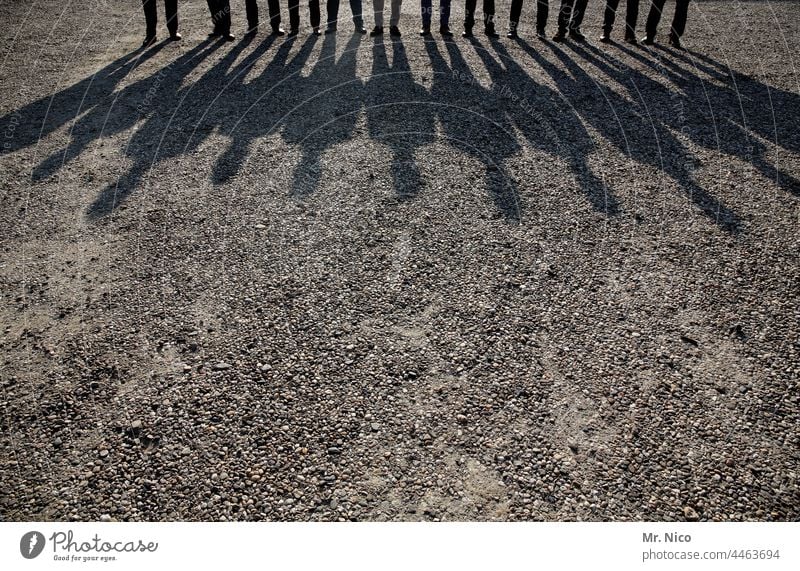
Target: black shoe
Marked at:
149, 41
251, 29
631, 39
176, 37
540, 33
490, 32
316, 32
606, 37
445, 31
425, 31
292, 33
229, 37
360, 29
512, 34
675, 42
376, 31
330, 30
648, 40
577, 36
278, 32
467, 33
214, 34
394, 31
559, 37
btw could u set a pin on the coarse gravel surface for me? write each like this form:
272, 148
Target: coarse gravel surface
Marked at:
348, 278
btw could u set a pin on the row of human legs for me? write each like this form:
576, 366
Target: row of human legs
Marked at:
570, 18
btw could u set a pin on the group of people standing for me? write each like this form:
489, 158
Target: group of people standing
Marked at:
570, 17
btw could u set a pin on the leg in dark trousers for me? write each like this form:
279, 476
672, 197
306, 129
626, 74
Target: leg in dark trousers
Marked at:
313, 10
355, 8
150, 17
274, 7
516, 12
654, 17
171, 9
679, 21
542, 11
488, 14
578, 10
610, 15
333, 13
220, 16
294, 15
251, 8
444, 14
565, 15
469, 14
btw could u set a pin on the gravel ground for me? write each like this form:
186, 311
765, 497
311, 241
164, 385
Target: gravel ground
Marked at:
342, 278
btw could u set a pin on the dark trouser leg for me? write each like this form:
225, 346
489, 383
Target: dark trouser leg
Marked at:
577, 14
469, 14
516, 11
274, 7
251, 9
542, 11
488, 13
610, 15
679, 21
355, 8
225, 20
631, 15
654, 17
564, 15
213, 9
171, 9
150, 17
426, 8
444, 13
333, 12
294, 14
313, 10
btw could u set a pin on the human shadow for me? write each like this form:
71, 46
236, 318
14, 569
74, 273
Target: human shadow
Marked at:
325, 108
627, 125
399, 115
473, 123
549, 122
28, 125
731, 113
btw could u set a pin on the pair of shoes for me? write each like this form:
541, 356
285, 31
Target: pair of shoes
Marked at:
631, 39
376, 31
675, 41
149, 41
490, 32
445, 31
394, 31
576, 35
560, 36
229, 37
648, 40
278, 31
606, 37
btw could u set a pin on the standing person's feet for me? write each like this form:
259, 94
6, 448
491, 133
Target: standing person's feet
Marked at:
631, 39
605, 38
675, 42
576, 35
394, 31
559, 37
445, 31
490, 32
425, 31
648, 40
149, 41
316, 32
376, 31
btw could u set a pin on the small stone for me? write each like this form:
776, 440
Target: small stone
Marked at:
690, 514
375, 426
57, 443
103, 453
259, 226
105, 517
136, 425
255, 477
333, 450
221, 366
186, 451
265, 368
462, 419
